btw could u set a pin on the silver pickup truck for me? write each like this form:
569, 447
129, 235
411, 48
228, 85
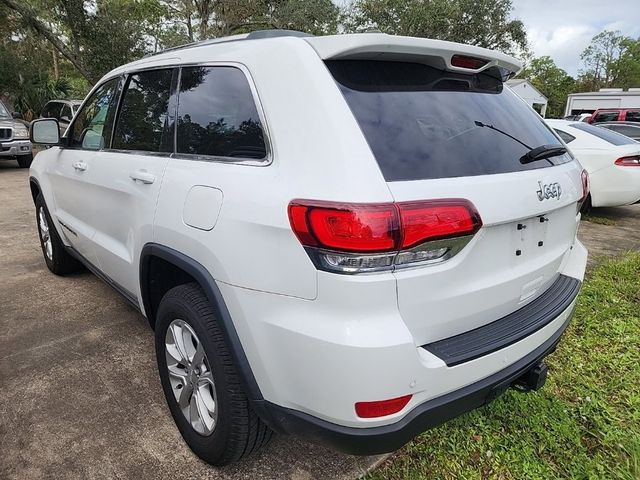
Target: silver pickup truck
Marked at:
14, 138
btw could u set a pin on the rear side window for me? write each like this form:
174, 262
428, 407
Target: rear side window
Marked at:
217, 115
425, 123
613, 138
142, 122
633, 116
566, 138
606, 117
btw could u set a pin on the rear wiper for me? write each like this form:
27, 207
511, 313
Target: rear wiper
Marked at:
543, 152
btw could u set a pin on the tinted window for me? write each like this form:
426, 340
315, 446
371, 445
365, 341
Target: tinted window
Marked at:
94, 123
51, 110
142, 121
422, 122
566, 138
629, 131
606, 117
65, 113
217, 115
633, 116
604, 134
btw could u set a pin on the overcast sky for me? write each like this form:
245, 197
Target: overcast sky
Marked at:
563, 28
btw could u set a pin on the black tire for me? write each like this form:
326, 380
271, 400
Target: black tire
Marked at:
24, 161
60, 263
238, 431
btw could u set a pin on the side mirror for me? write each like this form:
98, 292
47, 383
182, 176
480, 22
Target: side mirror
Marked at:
65, 119
45, 131
17, 116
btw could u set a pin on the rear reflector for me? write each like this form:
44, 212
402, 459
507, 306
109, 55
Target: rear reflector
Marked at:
472, 63
352, 237
633, 161
381, 408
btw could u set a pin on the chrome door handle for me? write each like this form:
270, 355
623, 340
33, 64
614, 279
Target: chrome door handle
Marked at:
142, 176
80, 166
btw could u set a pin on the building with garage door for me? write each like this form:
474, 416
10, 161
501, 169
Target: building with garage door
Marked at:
589, 102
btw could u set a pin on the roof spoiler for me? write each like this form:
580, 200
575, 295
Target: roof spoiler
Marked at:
439, 54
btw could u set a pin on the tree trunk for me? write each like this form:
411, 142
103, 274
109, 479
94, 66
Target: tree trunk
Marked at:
56, 70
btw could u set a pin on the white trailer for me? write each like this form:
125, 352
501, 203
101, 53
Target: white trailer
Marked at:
589, 102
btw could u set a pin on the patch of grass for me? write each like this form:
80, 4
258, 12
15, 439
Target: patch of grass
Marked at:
598, 220
585, 423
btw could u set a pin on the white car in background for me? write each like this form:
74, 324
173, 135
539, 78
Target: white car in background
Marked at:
612, 160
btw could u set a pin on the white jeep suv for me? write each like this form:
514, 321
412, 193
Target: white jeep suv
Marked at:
352, 237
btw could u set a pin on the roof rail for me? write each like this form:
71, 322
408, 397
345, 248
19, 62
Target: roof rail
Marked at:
255, 35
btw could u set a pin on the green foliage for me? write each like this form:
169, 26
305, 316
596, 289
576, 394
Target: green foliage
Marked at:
611, 60
32, 98
485, 23
585, 423
553, 82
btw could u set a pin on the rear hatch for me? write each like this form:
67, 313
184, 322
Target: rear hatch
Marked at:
439, 132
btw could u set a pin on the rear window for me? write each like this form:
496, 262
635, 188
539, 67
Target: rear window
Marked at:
613, 138
425, 123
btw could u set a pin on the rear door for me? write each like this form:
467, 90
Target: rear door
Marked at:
126, 178
440, 134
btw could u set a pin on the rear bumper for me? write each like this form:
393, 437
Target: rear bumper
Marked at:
15, 148
386, 438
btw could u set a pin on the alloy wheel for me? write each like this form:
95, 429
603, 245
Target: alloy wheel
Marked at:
45, 234
190, 377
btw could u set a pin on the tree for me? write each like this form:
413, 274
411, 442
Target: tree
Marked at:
209, 18
552, 81
485, 23
610, 60
94, 36
628, 65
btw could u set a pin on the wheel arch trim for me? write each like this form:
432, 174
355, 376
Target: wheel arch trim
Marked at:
202, 276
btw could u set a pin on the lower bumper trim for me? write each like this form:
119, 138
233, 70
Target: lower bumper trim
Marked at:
387, 438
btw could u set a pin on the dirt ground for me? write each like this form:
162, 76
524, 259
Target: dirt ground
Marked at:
80, 395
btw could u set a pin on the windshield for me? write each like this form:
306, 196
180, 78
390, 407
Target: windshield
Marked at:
4, 113
613, 138
424, 123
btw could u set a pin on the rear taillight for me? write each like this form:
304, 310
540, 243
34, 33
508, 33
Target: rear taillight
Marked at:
355, 238
472, 63
381, 408
632, 161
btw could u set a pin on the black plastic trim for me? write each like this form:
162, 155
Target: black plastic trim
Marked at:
126, 294
208, 284
509, 329
387, 438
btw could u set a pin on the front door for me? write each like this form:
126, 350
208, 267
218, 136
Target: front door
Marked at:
70, 172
